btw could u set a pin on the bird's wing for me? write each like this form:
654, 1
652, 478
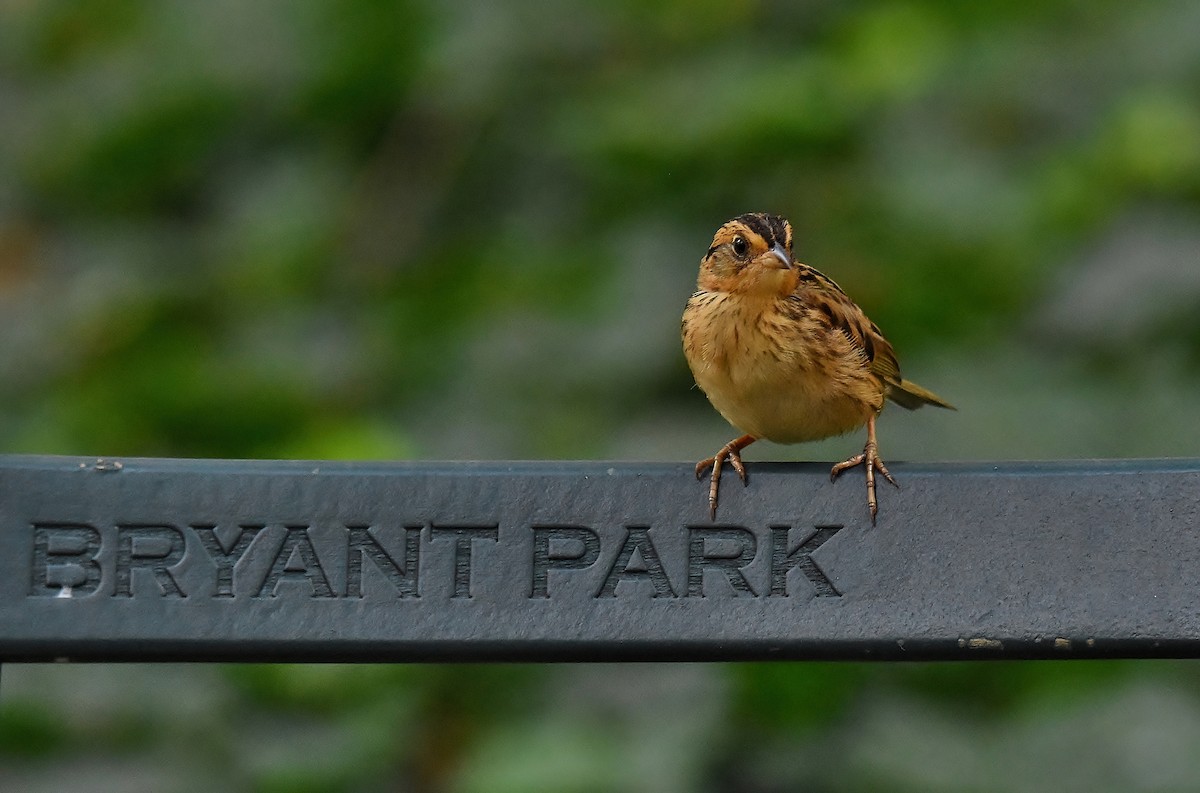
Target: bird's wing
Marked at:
833, 306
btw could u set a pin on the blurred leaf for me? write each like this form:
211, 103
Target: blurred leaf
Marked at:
29, 731
796, 697
152, 157
1154, 141
322, 688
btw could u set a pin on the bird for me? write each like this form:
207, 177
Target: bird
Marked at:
783, 353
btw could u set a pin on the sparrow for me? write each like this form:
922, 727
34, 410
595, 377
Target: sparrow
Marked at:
784, 354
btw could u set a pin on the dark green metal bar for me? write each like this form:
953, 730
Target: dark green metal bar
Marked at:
142, 559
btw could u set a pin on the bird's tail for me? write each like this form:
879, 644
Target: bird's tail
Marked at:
908, 394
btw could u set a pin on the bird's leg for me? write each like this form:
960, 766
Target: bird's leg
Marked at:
870, 460
732, 452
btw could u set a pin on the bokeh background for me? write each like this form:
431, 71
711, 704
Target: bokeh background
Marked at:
466, 229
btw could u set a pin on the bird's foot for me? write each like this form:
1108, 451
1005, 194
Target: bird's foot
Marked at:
869, 459
731, 452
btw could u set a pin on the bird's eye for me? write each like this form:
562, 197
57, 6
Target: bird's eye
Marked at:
740, 246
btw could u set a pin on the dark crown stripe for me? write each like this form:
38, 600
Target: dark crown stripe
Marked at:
758, 223
772, 228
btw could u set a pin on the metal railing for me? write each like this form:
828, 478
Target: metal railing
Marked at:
156, 559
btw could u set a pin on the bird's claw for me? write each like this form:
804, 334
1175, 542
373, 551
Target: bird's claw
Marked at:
731, 452
869, 459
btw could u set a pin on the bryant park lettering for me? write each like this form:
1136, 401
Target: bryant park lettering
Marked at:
79, 560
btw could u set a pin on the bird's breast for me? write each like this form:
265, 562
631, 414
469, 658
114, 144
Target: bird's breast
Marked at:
775, 374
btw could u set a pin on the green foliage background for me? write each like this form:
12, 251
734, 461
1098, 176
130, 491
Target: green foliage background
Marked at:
368, 229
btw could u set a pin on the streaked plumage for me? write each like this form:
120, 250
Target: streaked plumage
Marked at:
783, 353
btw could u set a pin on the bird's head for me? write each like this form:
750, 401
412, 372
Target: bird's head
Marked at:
751, 254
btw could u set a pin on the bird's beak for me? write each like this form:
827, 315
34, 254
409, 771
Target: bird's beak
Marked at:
785, 258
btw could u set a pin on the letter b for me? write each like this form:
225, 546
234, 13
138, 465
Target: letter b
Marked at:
64, 560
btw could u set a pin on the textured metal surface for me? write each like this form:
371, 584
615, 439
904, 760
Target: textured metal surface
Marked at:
143, 559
